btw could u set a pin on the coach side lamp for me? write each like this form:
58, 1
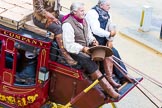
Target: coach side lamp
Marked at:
43, 74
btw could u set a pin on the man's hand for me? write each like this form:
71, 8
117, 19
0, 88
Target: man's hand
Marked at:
56, 21
112, 33
48, 15
51, 19
85, 49
95, 43
109, 44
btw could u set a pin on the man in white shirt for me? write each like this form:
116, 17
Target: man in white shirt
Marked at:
99, 20
77, 38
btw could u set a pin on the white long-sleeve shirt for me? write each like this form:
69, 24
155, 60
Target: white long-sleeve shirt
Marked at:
92, 20
69, 39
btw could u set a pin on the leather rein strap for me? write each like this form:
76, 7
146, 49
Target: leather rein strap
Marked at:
123, 71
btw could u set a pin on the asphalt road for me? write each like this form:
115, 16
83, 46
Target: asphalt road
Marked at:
127, 13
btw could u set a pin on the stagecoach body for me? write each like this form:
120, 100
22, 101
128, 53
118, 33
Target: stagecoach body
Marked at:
55, 80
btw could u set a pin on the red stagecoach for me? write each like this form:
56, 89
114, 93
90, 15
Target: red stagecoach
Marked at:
54, 80
55, 83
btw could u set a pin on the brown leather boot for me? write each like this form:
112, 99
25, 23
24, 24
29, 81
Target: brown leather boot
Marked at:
105, 84
108, 66
64, 53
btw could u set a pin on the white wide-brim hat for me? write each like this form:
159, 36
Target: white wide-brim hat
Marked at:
30, 55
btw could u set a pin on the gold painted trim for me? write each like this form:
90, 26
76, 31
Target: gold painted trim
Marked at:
76, 75
63, 69
8, 45
7, 90
9, 75
43, 57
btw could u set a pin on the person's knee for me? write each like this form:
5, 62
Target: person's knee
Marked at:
58, 30
55, 28
114, 50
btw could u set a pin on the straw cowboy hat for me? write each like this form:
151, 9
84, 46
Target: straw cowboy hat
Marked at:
98, 53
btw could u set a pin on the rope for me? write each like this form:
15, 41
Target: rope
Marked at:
140, 73
123, 71
148, 97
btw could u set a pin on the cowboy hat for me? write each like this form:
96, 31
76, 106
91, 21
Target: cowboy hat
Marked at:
98, 53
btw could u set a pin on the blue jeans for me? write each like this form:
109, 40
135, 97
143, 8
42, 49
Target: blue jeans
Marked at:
116, 70
103, 41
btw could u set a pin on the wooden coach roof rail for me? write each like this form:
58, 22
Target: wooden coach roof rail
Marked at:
29, 25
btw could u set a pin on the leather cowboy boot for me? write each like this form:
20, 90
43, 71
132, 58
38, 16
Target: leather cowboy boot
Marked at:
108, 66
64, 53
105, 84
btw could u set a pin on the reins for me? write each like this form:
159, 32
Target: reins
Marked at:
140, 73
123, 71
